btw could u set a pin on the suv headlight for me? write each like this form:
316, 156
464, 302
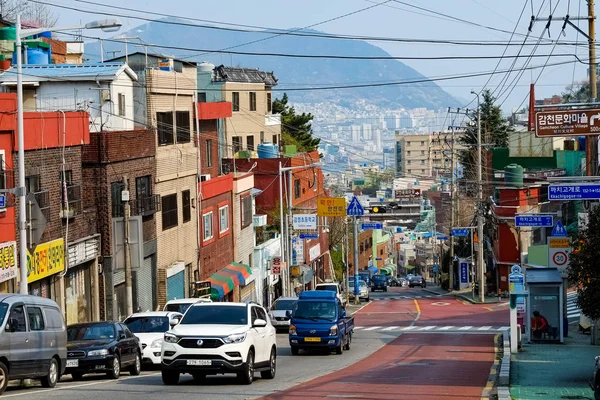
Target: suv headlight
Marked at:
93, 353
235, 338
333, 331
170, 338
156, 343
292, 330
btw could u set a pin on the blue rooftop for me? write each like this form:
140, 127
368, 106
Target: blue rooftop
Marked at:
68, 72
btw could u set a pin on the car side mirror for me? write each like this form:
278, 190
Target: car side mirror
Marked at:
173, 322
259, 323
121, 335
288, 313
343, 314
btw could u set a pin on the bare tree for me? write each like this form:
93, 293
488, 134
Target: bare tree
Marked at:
33, 15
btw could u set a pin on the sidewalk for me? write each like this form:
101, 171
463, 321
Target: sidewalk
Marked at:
465, 294
554, 371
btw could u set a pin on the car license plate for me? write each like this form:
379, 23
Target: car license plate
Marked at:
99, 367
199, 362
312, 339
72, 363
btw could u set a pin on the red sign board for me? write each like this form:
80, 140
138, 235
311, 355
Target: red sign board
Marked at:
276, 265
567, 123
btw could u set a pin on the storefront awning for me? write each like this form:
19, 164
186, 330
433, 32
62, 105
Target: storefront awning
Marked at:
223, 281
243, 271
387, 270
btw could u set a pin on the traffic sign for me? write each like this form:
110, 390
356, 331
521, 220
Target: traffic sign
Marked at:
567, 191
460, 232
559, 230
309, 236
442, 237
534, 220
516, 283
331, 207
558, 253
567, 123
355, 208
2, 201
371, 225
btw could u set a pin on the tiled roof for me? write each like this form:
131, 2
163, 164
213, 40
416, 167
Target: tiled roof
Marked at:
67, 72
244, 75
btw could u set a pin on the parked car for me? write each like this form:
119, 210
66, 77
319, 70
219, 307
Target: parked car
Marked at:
102, 347
379, 283
181, 305
416, 280
150, 328
402, 281
217, 338
319, 321
278, 312
333, 287
363, 291
33, 340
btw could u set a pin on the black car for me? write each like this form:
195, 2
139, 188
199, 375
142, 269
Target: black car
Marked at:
102, 347
416, 281
379, 282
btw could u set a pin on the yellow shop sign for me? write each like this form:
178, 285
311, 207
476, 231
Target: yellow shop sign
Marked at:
47, 259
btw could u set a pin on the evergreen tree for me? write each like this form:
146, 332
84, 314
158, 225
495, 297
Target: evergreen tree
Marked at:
295, 128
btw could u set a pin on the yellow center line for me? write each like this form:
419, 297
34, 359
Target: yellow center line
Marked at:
488, 308
417, 305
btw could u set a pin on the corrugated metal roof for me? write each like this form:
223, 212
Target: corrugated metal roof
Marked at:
542, 275
68, 72
244, 75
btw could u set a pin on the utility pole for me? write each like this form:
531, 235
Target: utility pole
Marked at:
479, 206
282, 230
356, 297
452, 212
591, 147
126, 215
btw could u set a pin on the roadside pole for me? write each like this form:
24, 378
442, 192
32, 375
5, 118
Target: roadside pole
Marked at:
356, 298
480, 262
128, 280
591, 148
282, 231
452, 211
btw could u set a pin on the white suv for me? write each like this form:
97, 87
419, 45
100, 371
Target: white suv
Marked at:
217, 338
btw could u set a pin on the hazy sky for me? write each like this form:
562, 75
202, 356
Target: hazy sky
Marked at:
394, 19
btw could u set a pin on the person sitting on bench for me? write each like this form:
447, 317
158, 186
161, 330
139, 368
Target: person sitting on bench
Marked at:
539, 325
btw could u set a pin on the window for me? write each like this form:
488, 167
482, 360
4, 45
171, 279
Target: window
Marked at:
169, 211
18, 314
209, 156
422, 143
297, 189
269, 103
422, 152
235, 101
246, 211
252, 101
250, 143
164, 127
2, 170
207, 220
262, 137
53, 318
142, 187
66, 181
32, 183
422, 162
36, 320
121, 104
236, 144
274, 139
186, 208
408, 153
201, 97
223, 219
407, 144
408, 161
115, 194
183, 126
261, 313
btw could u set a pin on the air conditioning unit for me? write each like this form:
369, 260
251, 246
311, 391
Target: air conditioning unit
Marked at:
105, 95
204, 177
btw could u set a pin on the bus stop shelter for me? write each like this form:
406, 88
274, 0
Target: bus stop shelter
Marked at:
545, 288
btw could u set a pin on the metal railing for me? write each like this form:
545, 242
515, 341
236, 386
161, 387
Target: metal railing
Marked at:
146, 206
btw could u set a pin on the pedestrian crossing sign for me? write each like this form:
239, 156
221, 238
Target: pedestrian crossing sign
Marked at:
355, 208
559, 230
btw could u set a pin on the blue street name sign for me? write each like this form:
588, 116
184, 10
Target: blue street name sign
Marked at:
534, 220
355, 208
2, 201
460, 232
309, 236
442, 238
371, 225
580, 191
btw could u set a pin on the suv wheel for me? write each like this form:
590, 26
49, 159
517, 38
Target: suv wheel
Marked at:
247, 375
170, 377
3, 377
115, 371
270, 374
50, 379
136, 368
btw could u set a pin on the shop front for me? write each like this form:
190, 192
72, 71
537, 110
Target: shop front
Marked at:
81, 281
8, 266
44, 266
230, 283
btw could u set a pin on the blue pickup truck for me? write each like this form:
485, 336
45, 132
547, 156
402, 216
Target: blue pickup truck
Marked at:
319, 320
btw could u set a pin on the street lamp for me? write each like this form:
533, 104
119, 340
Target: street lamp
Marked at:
107, 25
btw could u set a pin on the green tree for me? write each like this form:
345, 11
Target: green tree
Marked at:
583, 269
295, 128
494, 133
577, 93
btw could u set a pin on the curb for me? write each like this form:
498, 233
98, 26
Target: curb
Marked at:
494, 369
504, 377
434, 292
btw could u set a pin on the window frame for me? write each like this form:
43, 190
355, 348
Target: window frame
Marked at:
121, 105
250, 145
252, 101
237, 147
208, 213
269, 102
29, 315
165, 210
246, 211
235, 101
209, 153
186, 205
222, 208
164, 129
297, 189
183, 129
15, 306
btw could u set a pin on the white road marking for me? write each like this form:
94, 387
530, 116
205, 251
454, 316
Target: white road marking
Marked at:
465, 328
445, 328
408, 328
372, 328
485, 328
389, 328
427, 328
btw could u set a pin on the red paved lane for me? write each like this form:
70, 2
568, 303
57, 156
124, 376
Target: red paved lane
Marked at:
449, 311
414, 366
387, 313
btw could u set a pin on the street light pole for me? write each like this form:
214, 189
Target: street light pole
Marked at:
479, 206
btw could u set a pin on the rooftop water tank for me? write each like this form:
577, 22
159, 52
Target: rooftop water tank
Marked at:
37, 57
205, 67
268, 150
513, 175
8, 33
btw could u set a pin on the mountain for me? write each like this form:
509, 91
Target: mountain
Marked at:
294, 72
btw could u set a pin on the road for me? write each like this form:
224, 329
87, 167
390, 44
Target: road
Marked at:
408, 344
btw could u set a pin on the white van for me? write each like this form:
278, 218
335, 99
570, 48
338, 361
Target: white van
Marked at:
333, 287
181, 305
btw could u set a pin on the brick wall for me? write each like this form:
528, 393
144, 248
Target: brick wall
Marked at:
218, 253
364, 238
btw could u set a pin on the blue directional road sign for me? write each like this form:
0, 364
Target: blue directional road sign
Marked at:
2, 201
355, 208
309, 236
371, 225
534, 220
460, 232
442, 238
559, 230
582, 191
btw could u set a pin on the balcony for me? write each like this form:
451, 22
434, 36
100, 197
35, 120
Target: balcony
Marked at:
214, 110
272, 119
147, 206
73, 202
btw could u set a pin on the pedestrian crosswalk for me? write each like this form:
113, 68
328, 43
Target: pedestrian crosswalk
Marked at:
573, 311
426, 296
432, 328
